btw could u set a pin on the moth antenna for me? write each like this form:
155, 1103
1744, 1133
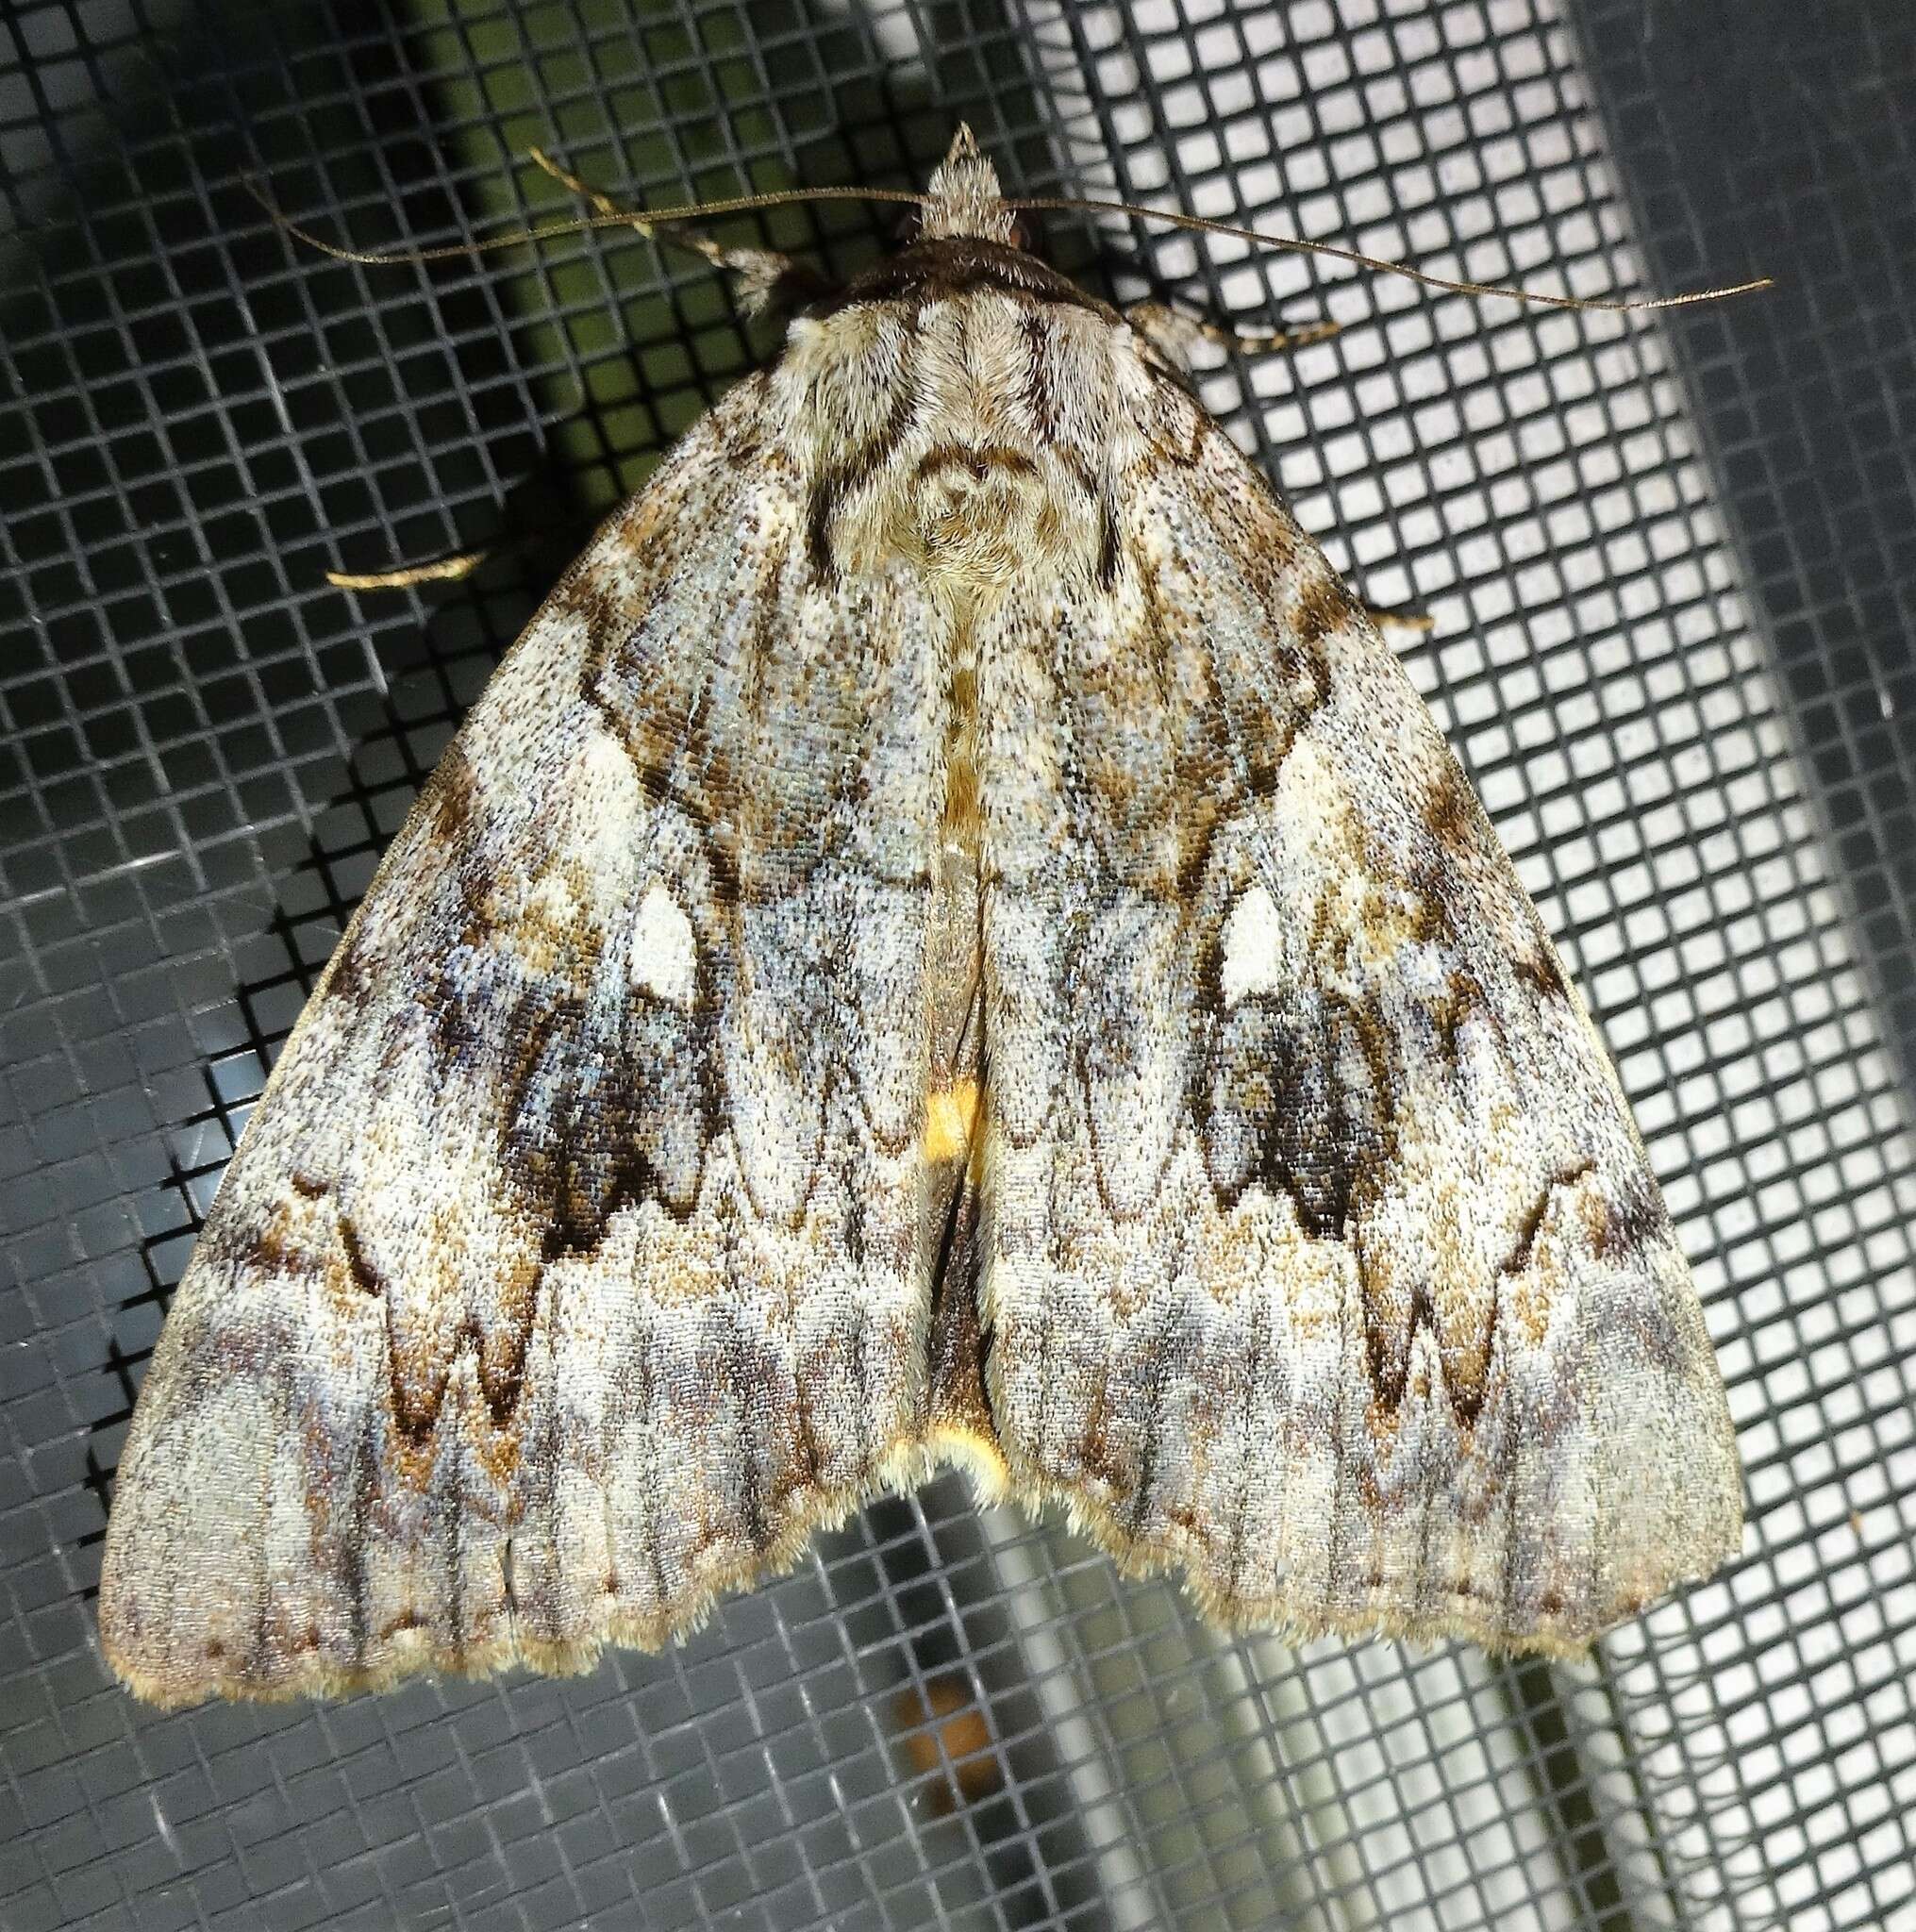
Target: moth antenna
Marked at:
642, 218
1442, 283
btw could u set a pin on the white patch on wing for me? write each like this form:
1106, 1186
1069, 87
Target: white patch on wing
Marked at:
662, 950
1253, 947
609, 804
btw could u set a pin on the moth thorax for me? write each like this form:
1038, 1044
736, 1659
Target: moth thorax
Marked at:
978, 519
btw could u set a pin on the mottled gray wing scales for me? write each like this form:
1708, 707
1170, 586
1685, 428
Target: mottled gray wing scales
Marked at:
570, 1270
1322, 1254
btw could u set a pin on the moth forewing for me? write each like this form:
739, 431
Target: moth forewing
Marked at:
949, 936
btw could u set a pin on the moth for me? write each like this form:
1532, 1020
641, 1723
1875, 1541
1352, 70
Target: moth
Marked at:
950, 939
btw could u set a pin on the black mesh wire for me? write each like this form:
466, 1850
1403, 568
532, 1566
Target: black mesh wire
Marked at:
1670, 569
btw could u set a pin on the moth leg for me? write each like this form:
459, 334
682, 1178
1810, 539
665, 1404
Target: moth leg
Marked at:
766, 278
1173, 335
1400, 620
444, 570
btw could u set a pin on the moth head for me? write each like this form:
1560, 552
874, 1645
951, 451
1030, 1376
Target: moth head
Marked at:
963, 198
